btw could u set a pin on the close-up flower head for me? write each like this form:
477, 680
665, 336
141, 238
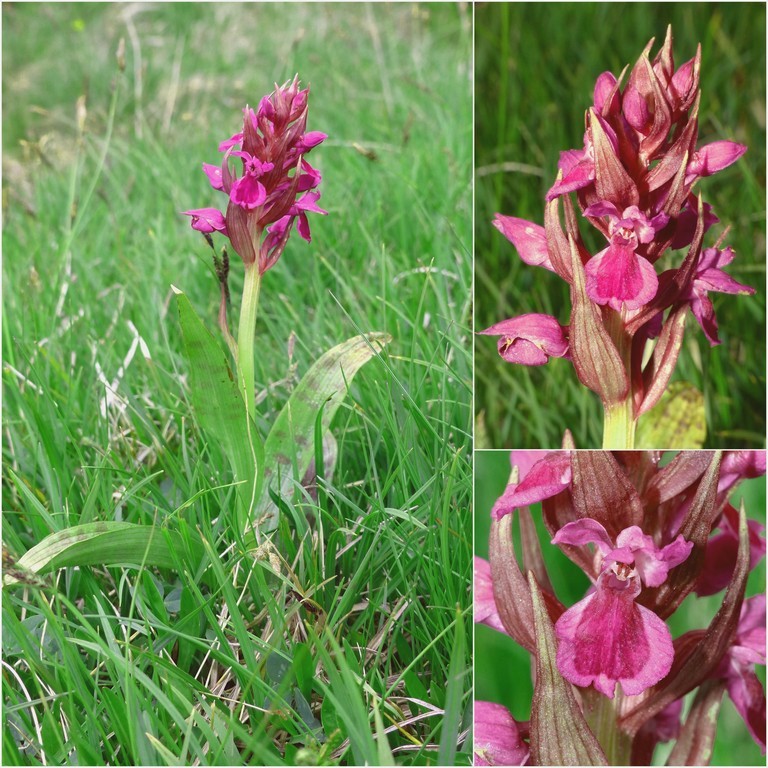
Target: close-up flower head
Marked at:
671, 620
629, 225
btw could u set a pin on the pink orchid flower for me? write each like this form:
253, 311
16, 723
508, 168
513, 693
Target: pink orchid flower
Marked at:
530, 339
618, 275
262, 203
608, 638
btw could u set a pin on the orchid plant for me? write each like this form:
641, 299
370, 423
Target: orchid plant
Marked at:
262, 204
609, 677
270, 188
634, 182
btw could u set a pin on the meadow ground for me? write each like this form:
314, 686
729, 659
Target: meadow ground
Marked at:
536, 65
358, 650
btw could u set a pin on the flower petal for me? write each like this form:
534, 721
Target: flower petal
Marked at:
484, 606
607, 638
584, 531
213, 172
578, 172
545, 479
248, 192
529, 339
529, 239
651, 563
617, 275
713, 157
746, 692
498, 740
208, 220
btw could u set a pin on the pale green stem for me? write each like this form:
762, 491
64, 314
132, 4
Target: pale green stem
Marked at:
619, 422
246, 333
602, 720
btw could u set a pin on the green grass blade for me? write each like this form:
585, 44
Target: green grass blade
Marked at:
108, 543
344, 692
449, 738
290, 443
219, 407
385, 753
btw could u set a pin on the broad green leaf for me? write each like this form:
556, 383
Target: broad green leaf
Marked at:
678, 421
109, 543
289, 447
219, 407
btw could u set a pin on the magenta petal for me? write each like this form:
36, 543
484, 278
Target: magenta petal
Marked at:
704, 312
213, 172
248, 192
497, 738
302, 226
308, 202
604, 86
652, 564
713, 157
617, 275
529, 339
545, 479
635, 109
746, 692
484, 605
682, 80
529, 239
578, 176
722, 551
208, 220
750, 634
602, 208
740, 465
607, 638
584, 531
231, 142
312, 139
524, 461
721, 282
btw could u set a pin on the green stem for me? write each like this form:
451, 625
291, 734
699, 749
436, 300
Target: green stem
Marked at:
602, 719
619, 421
246, 334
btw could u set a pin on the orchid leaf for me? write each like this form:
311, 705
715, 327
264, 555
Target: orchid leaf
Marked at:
559, 733
219, 407
290, 445
678, 421
107, 544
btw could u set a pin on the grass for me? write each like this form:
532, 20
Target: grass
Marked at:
536, 65
348, 642
502, 668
